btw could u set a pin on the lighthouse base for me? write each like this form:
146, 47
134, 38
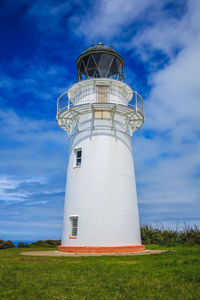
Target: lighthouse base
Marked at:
110, 249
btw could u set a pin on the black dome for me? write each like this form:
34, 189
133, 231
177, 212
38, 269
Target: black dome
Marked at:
100, 47
100, 61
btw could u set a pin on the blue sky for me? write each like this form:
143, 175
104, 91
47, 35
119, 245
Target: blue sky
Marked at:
40, 42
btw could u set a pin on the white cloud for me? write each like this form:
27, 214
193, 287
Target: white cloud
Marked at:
108, 19
10, 188
35, 156
168, 162
168, 33
42, 81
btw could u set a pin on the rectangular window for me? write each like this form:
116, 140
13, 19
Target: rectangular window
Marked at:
102, 93
74, 226
78, 154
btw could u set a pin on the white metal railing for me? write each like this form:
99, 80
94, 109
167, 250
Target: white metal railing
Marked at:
63, 103
91, 96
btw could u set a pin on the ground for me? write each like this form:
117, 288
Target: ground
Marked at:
169, 275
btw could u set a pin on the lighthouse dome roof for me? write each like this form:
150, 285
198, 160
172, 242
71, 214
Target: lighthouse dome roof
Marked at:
100, 47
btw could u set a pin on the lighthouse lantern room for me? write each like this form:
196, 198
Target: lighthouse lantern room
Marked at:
100, 112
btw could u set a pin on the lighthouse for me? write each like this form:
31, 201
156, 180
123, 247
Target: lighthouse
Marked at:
100, 113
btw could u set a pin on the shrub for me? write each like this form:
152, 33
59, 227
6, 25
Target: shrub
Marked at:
47, 243
6, 244
23, 245
168, 237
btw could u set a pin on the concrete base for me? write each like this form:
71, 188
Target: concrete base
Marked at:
65, 254
90, 249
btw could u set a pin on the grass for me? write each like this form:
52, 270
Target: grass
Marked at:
169, 275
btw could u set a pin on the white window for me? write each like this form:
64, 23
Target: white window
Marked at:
74, 226
78, 157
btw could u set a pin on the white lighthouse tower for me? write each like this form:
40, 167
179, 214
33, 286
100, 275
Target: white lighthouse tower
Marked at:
100, 113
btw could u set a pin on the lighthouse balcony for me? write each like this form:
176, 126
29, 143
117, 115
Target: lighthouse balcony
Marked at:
111, 101
100, 91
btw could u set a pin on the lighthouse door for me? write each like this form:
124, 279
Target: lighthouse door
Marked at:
102, 93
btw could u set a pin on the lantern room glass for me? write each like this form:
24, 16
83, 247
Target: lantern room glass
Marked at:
100, 65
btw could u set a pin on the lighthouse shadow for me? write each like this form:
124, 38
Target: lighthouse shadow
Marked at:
79, 137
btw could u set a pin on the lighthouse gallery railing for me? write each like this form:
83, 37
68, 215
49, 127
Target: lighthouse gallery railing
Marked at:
63, 102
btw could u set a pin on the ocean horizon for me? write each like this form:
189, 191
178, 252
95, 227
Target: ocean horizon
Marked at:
15, 242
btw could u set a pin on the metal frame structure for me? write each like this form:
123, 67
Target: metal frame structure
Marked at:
69, 114
100, 62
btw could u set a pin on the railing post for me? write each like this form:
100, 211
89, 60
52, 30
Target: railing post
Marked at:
68, 102
58, 110
136, 107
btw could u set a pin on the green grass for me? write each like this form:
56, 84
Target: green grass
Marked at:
169, 275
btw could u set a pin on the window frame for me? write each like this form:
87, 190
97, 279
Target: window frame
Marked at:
78, 159
73, 229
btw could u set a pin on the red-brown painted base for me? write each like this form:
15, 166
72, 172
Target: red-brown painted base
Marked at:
92, 249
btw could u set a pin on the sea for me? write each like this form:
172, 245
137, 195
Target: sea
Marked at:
17, 241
